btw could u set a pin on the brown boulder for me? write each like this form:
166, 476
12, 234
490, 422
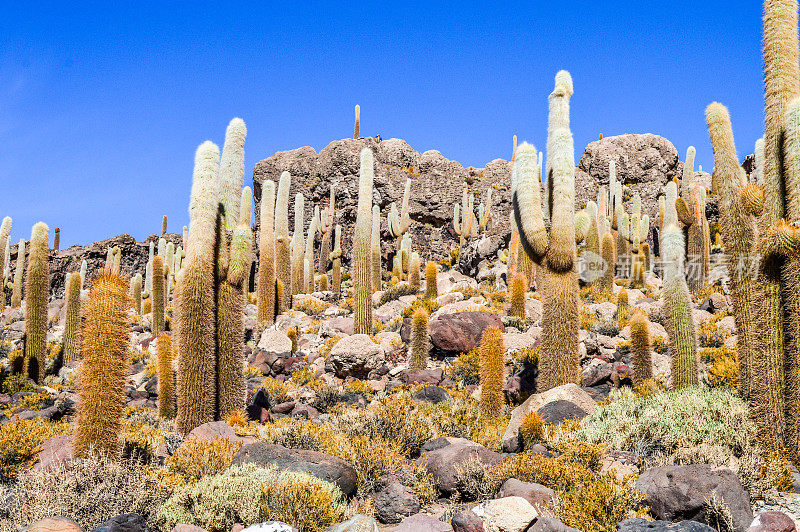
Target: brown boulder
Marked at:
461, 332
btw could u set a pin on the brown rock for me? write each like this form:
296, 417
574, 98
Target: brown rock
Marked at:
772, 521
536, 494
461, 332
54, 450
219, 429
443, 456
54, 524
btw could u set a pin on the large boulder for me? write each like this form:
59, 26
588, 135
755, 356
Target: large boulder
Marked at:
550, 524
677, 493
564, 402
323, 466
218, 429
124, 523
393, 501
507, 514
539, 496
639, 524
772, 521
443, 457
54, 524
436, 185
357, 523
355, 356
461, 332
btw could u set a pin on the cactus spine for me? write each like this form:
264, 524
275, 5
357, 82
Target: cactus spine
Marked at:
640, 347
357, 129
166, 377
559, 363
195, 298
5, 231
37, 292
283, 264
336, 260
298, 247
607, 253
492, 371
72, 323
136, 292
420, 340
104, 369
519, 285
157, 320
325, 228
362, 285
19, 269
376, 248
266, 266
56, 238
431, 271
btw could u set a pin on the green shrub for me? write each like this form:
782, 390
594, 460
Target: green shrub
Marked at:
466, 368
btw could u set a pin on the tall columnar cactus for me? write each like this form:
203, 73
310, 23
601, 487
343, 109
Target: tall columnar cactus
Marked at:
166, 377
37, 292
283, 263
492, 371
56, 238
233, 267
164, 225
326, 229
592, 232
517, 289
357, 129
431, 271
362, 281
485, 216
157, 309
19, 269
298, 246
559, 363
676, 297
266, 259
105, 368
72, 322
5, 231
740, 233
336, 260
136, 292
195, 299
375, 248
83, 273
308, 256
606, 282
420, 340
640, 348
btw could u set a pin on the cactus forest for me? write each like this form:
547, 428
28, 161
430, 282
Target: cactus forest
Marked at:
369, 338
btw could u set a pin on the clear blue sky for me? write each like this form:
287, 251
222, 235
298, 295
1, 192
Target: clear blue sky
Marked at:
102, 107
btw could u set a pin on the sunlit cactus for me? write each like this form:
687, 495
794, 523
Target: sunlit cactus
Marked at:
431, 272
104, 369
336, 260
56, 238
375, 248
72, 321
517, 289
420, 340
283, 263
37, 295
357, 129
298, 246
166, 377
136, 292
157, 309
326, 218
640, 348
266, 259
19, 269
362, 281
492, 371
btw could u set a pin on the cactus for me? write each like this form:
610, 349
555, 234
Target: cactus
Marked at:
298, 246
431, 271
623, 308
559, 362
136, 292
5, 231
72, 322
677, 301
517, 289
164, 225
104, 369
56, 238
357, 130
362, 285
195, 299
592, 232
37, 292
266, 265
420, 339
19, 269
485, 212
283, 265
166, 377
375, 248
640, 348
492, 371
606, 282
157, 320
738, 205
336, 260
581, 223
326, 228
279, 308
233, 265
414, 266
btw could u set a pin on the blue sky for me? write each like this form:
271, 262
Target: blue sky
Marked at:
102, 106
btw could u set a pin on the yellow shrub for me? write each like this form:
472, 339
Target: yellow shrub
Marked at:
588, 318
532, 429
466, 368
528, 354
196, 458
311, 307
237, 418
723, 369
20, 441
659, 344
277, 391
140, 438
709, 334
489, 431
599, 505
302, 377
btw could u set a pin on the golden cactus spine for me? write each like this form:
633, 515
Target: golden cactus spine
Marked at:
5, 231
517, 289
336, 260
559, 363
266, 259
740, 232
492, 371
283, 263
19, 269
56, 238
157, 309
72, 322
195, 308
420, 339
640, 348
357, 128
104, 369
414, 271
431, 272
375, 248
37, 295
136, 292
362, 285
326, 228
166, 377
298, 247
